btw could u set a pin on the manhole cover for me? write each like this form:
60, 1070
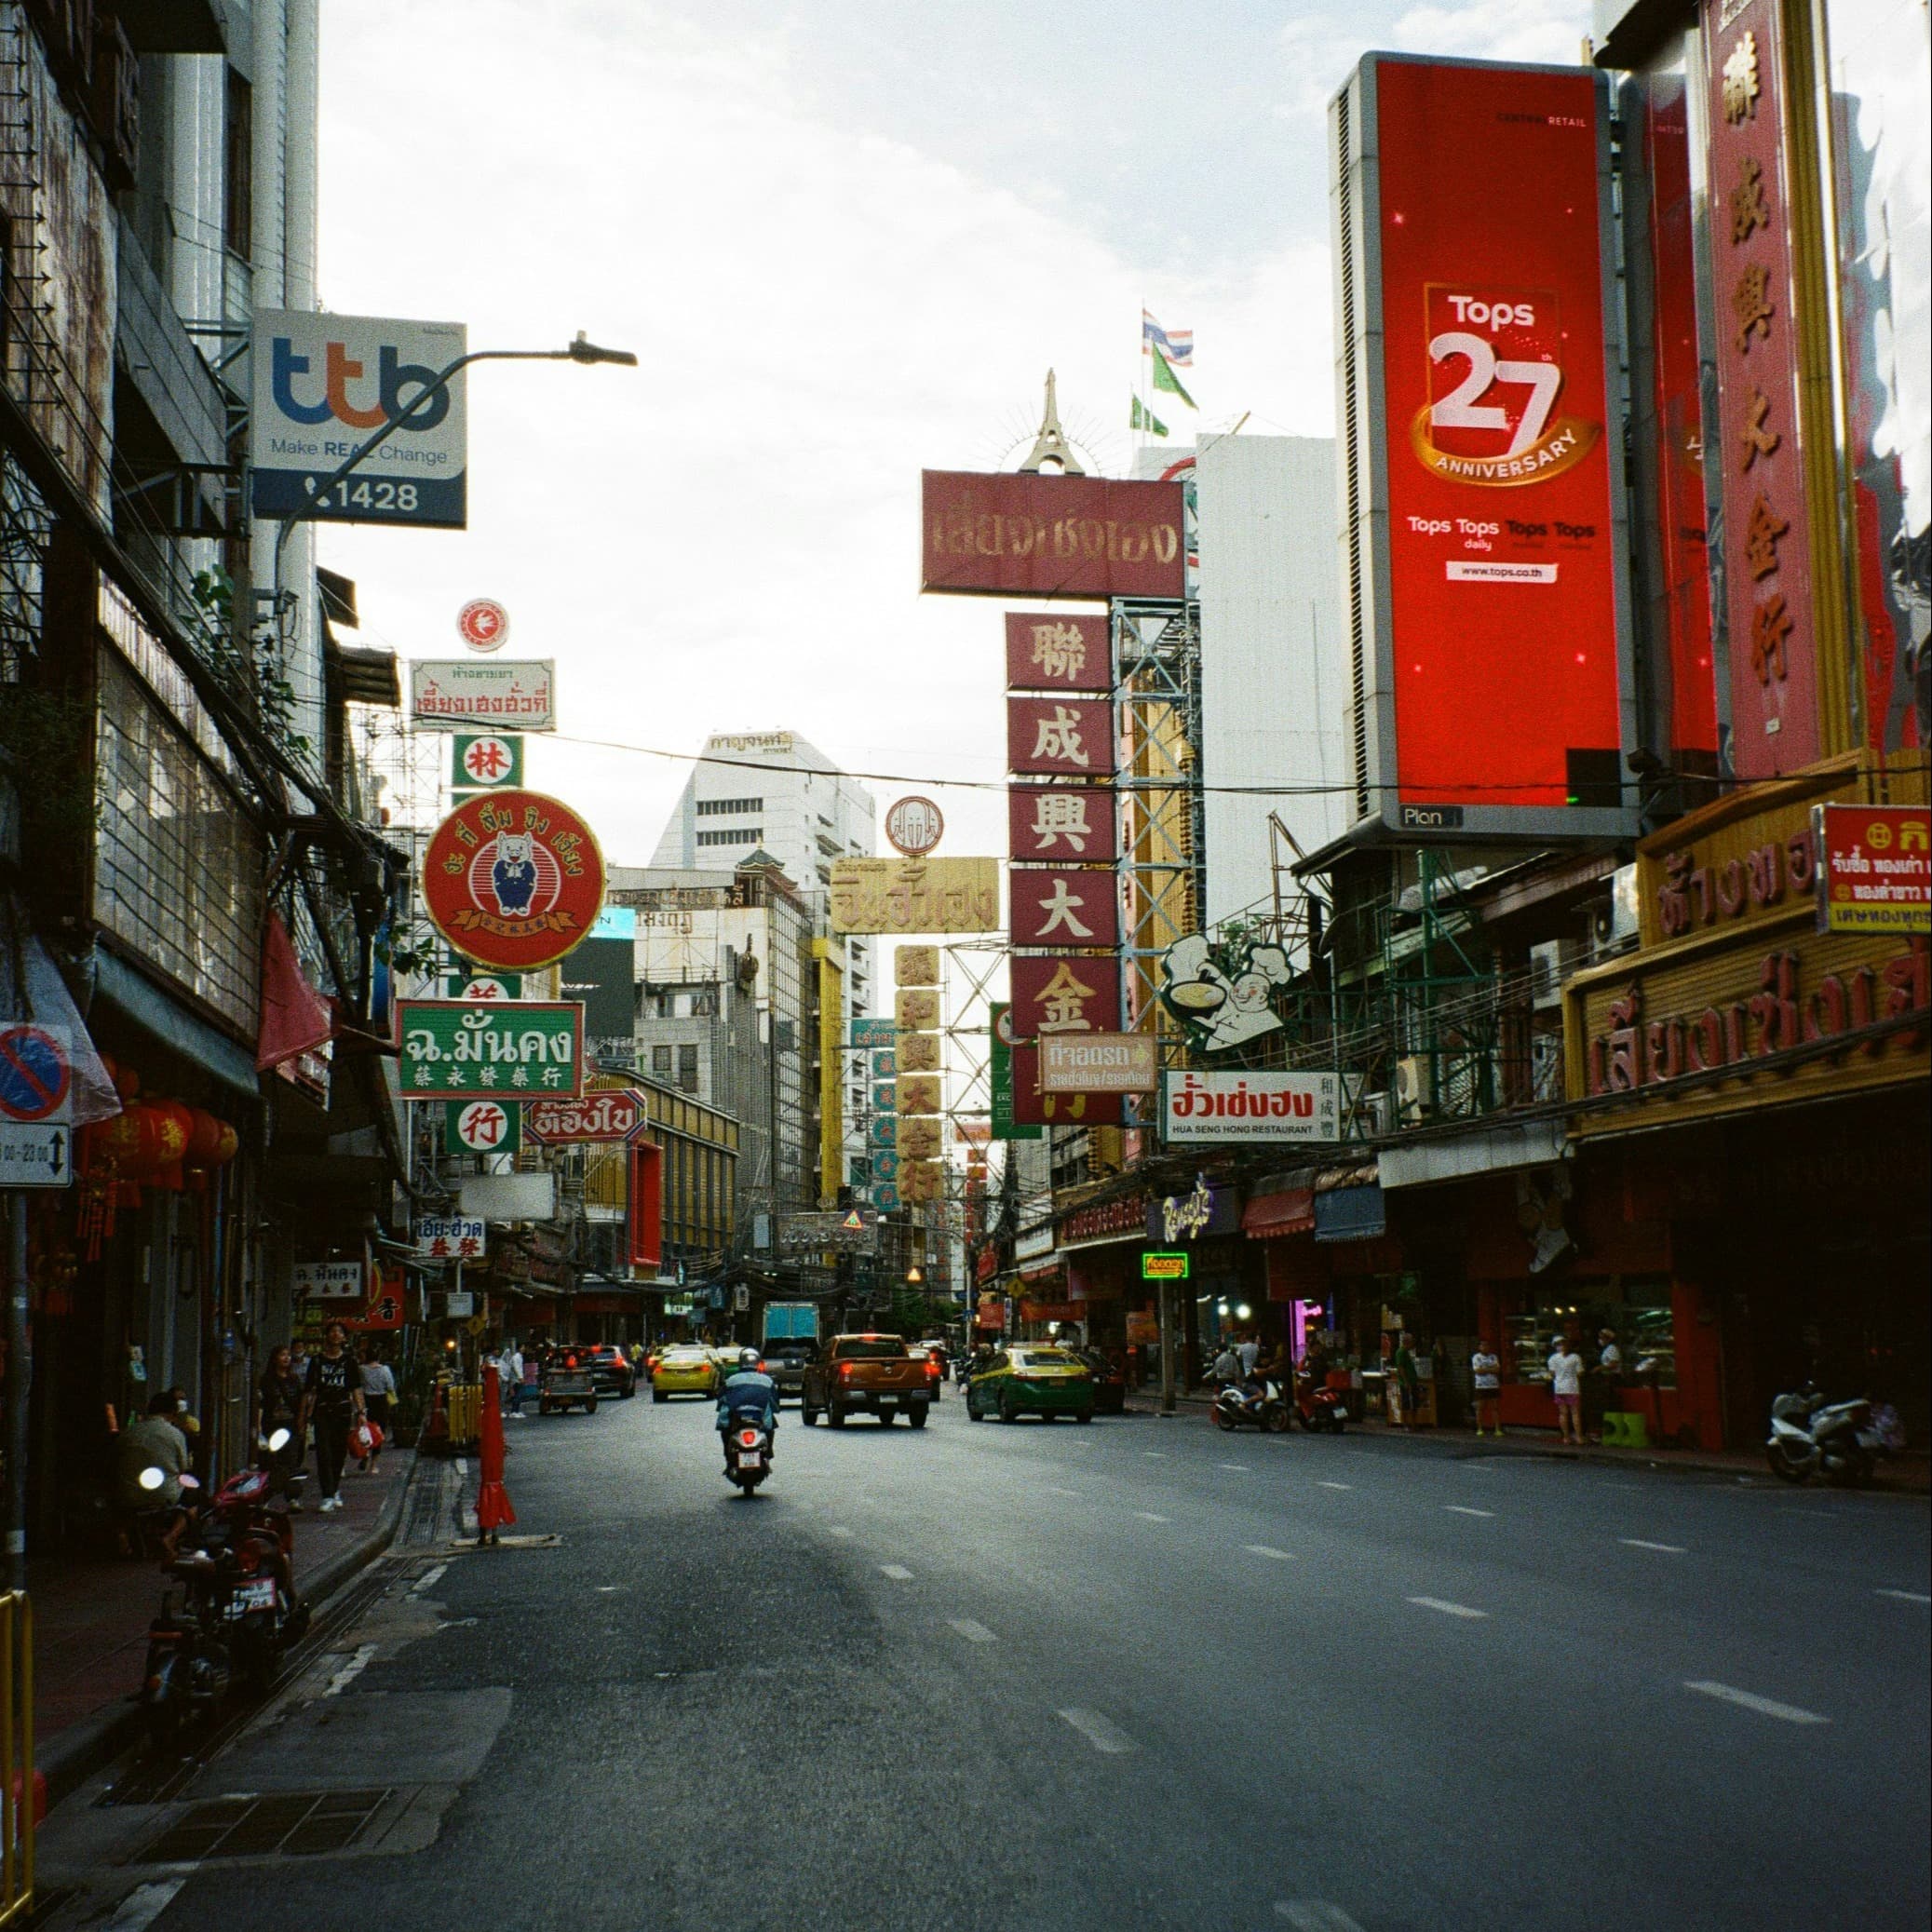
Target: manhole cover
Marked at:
285, 1824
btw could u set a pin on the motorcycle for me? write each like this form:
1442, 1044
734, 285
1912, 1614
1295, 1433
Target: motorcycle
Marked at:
1320, 1408
748, 1456
1841, 1442
235, 1612
1236, 1406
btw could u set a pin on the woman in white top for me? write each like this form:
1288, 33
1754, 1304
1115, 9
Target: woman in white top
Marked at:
1486, 1375
378, 1403
1566, 1385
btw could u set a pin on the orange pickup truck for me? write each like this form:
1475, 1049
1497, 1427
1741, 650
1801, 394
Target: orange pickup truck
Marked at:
877, 1373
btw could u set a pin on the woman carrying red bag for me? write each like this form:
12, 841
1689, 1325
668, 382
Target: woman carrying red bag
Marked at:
378, 1403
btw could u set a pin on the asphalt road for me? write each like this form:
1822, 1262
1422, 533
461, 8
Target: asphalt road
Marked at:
1140, 1674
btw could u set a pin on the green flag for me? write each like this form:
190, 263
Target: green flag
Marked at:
1141, 417
1164, 378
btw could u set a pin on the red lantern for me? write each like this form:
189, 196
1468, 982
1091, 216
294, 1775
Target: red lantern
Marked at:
148, 1141
211, 1143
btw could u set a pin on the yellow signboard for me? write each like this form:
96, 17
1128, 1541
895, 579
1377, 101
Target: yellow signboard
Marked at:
915, 895
915, 965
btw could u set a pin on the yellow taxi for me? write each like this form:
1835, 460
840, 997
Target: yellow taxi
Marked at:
683, 1370
1029, 1379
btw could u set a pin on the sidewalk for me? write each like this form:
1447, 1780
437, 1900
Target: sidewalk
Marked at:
90, 1622
1910, 1474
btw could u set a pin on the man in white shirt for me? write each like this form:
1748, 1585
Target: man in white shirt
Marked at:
1227, 1364
1566, 1385
1486, 1375
1251, 1353
512, 1372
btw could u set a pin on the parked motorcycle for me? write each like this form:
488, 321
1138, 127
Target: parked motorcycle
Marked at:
1236, 1406
1843, 1442
235, 1612
748, 1456
1320, 1407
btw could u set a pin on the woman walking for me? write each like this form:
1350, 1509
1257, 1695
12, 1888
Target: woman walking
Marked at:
378, 1401
331, 1403
278, 1406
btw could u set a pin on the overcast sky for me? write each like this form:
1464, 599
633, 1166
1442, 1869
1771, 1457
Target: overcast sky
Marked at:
846, 238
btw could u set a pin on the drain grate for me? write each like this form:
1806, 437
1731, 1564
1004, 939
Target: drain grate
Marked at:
291, 1824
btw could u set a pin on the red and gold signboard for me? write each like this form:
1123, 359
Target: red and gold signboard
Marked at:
1049, 652
1060, 737
1062, 993
608, 1115
1874, 869
1048, 907
1771, 605
513, 880
1062, 824
1051, 537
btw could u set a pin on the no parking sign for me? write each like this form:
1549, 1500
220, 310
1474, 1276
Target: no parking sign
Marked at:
36, 1076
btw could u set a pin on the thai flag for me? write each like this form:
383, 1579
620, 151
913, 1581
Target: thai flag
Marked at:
1178, 347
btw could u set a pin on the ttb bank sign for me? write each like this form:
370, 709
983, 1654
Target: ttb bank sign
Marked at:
323, 386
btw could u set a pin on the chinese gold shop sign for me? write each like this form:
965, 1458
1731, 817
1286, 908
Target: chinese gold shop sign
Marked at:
915, 895
1728, 1005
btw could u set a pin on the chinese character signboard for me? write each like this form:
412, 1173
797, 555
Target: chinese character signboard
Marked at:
511, 694
451, 1237
323, 384
915, 895
483, 1126
1486, 494
485, 761
1874, 869
1053, 737
513, 880
529, 1047
1251, 1107
1062, 824
1048, 652
1047, 536
1065, 992
1052, 908
1770, 610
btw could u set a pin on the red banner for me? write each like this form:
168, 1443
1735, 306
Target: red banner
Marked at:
1051, 537
1052, 908
1052, 651
1063, 992
1062, 824
611, 1116
1053, 737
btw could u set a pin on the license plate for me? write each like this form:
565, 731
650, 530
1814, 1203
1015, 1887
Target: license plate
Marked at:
259, 1595
750, 1460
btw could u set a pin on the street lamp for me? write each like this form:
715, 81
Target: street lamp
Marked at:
581, 350
914, 1275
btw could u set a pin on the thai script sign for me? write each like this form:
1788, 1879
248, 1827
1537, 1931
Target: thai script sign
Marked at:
597, 1116
1028, 535
847, 1233
1252, 1107
1205, 1209
1166, 1267
1874, 869
330, 1281
518, 693
915, 895
532, 1047
451, 1237
1099, 1064
514, 880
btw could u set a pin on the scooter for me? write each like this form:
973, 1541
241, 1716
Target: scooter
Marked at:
1235, 1407
1841, 1442
748, 1456
1320, 1408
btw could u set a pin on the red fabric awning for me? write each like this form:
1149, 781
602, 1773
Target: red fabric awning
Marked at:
1291, 1212
296, 1018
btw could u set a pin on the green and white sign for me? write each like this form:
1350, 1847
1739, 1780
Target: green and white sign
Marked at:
1000, 1070
457, 1046
486, 761
483, 1126
483, 986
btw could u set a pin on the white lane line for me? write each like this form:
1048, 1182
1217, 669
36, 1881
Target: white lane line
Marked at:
1102, 1733
1263, 1549
897, 1572
1242, 1466
1764, 1707
1315, 1915
973, 1632
1463, 1509
1335, 1485
1059, 1491
1446, 1609
838, 1529
354, 1669
427, 1579
145, 1904
1668, 1550
1154, 1455
1148, 1516
1906, 1596
613, 1590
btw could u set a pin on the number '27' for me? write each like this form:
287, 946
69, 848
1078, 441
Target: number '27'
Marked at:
1460, 409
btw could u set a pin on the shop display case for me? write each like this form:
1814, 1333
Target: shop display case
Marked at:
1527, 1345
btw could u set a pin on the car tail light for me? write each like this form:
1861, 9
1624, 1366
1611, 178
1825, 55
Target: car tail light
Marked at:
845, 1371
932, 1368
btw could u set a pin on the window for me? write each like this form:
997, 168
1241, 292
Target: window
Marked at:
687, 1069
660, 1059
735, 835
728, 808
239, 183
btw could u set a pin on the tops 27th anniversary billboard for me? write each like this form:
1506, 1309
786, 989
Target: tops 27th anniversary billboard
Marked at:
1484, 519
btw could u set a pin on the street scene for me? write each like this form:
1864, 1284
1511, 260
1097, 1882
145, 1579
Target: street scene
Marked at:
1218, 1216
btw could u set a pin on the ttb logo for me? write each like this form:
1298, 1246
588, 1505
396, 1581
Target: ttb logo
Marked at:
342, 371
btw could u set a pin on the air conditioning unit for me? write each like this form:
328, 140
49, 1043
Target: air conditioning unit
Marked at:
1411, 1088
1550, 965
1379, 1113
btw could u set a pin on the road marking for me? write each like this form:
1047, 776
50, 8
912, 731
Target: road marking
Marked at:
1463, 1509
838, 1529
1148, 1516
427, 1579
613, 1590
354, 1669
973, 1632
1154, 1455
1263, 1549
1764, 1707
1335, 1485
1907, 1596
1446, 1609
1242, 1466
145, 1904
1668, 1550
1059, 1491
897, 1572
1315, 1915
1102, 1733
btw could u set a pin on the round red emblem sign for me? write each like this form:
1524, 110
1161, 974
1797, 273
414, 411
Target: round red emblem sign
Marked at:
483, 624
513, 880
914, 826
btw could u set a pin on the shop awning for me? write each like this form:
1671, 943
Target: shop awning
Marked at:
1291, 1213
139, 1000
1350, 1214
1484, 1150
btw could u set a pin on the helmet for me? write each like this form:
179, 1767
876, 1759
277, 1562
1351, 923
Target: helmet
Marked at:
748, 1359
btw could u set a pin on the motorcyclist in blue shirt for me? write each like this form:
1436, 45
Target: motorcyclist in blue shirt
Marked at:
748, 1399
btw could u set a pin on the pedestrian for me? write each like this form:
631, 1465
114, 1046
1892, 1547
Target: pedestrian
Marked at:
1486, 1375
278, 1406
331, 1403
513, 1385
378, 1401
1250, 1354
1227, 1364
1566, 1385
1405, 1381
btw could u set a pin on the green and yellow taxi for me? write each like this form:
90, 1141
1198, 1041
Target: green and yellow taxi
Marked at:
1031, 1379
684, 1369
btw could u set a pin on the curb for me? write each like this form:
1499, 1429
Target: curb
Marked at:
74, 1754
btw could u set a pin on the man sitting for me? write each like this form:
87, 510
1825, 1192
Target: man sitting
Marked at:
748, 1399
